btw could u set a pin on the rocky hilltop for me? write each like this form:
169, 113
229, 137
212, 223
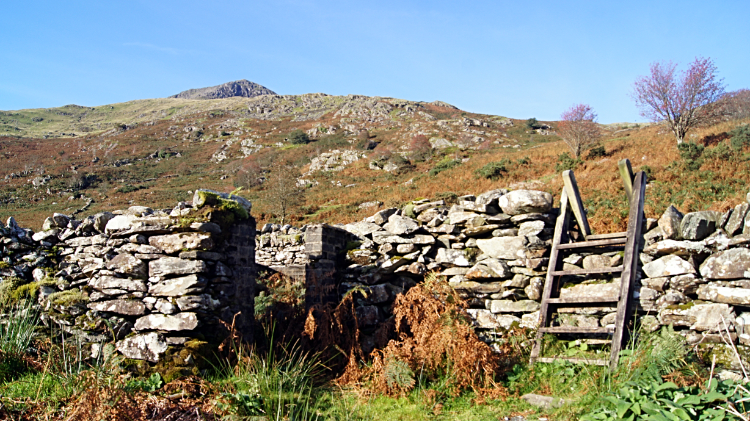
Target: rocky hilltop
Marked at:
241, 88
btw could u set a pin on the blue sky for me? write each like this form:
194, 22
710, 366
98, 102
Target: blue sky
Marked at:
518, 59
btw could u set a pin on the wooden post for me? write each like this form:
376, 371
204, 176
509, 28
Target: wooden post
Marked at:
626, 172
574, 197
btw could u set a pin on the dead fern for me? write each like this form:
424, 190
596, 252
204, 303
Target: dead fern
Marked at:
435, 340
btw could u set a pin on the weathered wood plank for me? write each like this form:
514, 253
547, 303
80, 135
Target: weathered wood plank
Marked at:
576, 205
555, 263
630, 266
608, 235
594, 243
626, 172
596, 271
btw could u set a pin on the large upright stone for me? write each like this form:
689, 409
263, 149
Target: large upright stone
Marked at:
727, 264
172, 243
670, 223
175, 266
736, 221
509, 248
668, 266
400, 225
699, 225
525, 201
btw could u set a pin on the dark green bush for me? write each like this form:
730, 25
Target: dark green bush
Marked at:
298, 137
596, 152
690, 153
445, 164
566, 162
532, 123
740, 137
524, 161
493, 170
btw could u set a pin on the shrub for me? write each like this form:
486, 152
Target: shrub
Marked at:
493, 170
445, 164
740, 137
532, 123
596, 152
449, 197
566, 162
524, 161
420, 148
298, 137
690, 153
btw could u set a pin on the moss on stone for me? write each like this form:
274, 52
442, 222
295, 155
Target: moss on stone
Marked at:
224, 205
67, 298
409, 211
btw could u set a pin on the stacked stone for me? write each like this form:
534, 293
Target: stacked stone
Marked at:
491, 247
697, 277
281, 246
153, 279
22, 258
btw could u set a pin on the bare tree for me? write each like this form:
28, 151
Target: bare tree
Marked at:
683, 101
578, 128
283, 191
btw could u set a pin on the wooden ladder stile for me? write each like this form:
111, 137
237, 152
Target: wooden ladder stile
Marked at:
571, 205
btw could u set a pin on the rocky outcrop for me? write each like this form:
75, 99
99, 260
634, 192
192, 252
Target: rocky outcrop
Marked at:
241, 88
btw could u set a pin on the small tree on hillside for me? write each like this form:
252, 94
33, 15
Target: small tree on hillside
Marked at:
282, 191
683, 101
420, 148
578, 128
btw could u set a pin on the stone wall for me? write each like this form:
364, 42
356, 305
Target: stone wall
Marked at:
159, 281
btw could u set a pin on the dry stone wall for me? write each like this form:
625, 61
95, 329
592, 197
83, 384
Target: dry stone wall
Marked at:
159, 281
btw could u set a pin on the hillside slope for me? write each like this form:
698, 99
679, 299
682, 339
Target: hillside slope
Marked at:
364, 153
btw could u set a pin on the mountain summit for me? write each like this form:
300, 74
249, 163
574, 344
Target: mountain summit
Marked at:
243, 88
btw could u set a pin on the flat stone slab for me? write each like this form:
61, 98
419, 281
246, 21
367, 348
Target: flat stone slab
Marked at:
175, 266
110, 282
126, 307
508, 248
485, 319
668, 266
508, 306
728, 264
173, 243
147, 347
175, 287
170, 322
541, 401
718, 294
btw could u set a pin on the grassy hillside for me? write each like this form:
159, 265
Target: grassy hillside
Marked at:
154, 152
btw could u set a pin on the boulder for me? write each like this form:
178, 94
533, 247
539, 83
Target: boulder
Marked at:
531, 228
727, 264
381, 217
147, 347
488, 269
119, 223
595, 261
668, 266
736, 221
362, 228
699, 225
400, 225
199, 303
204, 196
670, 223
525, 201
509, 248
175, 322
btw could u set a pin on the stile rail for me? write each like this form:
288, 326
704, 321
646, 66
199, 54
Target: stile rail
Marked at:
571, 206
